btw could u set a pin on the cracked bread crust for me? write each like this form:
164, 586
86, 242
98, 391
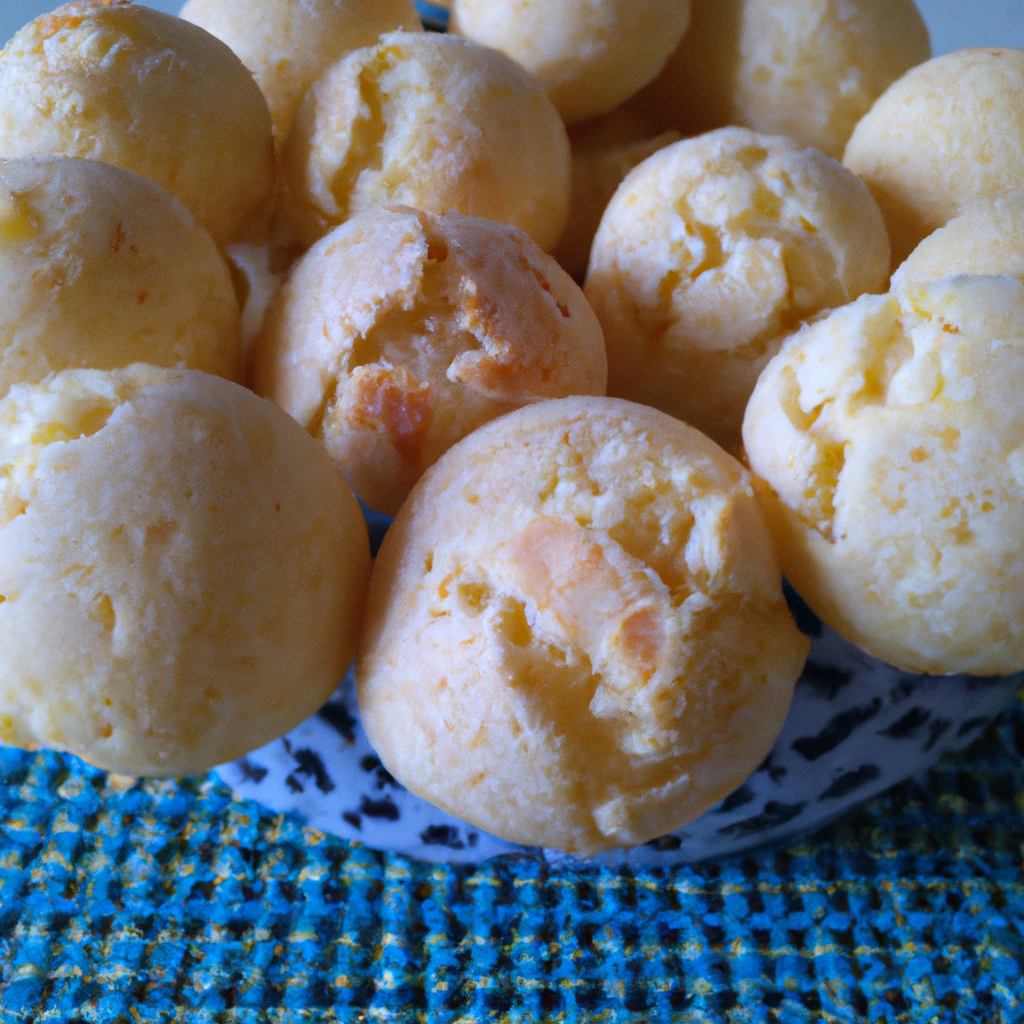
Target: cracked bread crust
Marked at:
402, 331
576, 635
121, 83
288, 45
888, 440
711, 252
430, 121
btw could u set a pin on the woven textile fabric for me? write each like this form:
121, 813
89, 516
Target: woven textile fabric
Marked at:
173, 901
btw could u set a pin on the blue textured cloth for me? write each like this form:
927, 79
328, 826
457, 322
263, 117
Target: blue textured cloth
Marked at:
173, 901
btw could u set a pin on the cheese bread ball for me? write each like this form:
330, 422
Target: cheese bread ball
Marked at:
890, 439
710, 253
576, 635
402, 331
288, 46
588, 55
809, 69
430, 121
182, 571
988, 238
117, 82
948, 134
100, 268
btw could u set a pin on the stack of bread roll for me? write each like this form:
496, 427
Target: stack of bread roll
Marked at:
581, 293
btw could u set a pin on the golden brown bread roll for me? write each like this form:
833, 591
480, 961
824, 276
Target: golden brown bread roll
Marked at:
182, 571
946, 135
402, 331
99, 268
576, 635
587, 55
890, 441
430, 121
809, 69
711, 252
114, 81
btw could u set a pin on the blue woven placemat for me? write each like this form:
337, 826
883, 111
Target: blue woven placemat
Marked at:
173, 901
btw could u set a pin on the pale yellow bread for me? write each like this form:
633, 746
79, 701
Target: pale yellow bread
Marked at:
402, 331
588, 55
576, 635
118, 82
809, 69
430, 121
288, 45
710, 252
987, 238
945, 136
182, 571
100, 268
890, 441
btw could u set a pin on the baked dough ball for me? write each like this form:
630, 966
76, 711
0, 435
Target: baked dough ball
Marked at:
588, 55
809, 69
402, 331
430, 121
100, 268
945, 136
710, 253
986, 239
576, 635
289, 45
890, 439
182, 571
114, 81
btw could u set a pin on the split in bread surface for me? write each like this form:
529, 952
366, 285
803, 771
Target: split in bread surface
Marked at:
713, 250
402, 331
430, 121
888, 442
